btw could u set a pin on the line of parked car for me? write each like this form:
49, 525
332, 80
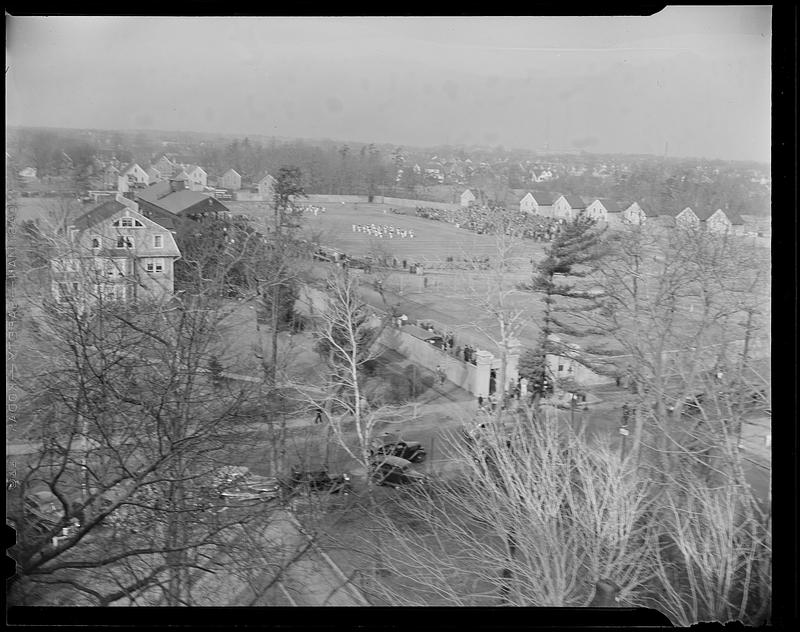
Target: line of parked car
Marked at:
391, 465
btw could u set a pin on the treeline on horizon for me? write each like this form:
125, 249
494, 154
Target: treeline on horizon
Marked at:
336, 167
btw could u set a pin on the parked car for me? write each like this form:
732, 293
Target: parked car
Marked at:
239, 483
43, 510
254, 488
408, 450
320, 481
394, 471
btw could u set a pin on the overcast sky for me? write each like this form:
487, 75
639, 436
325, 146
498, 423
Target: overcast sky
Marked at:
697, 78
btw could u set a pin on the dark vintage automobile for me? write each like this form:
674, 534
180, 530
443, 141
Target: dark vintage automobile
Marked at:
238, 483
319, 481
394, 471
43, 510
408, 450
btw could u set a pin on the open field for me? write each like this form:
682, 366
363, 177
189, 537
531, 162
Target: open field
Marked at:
432, 240
452, 296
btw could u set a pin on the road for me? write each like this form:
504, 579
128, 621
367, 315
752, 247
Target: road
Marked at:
308, 576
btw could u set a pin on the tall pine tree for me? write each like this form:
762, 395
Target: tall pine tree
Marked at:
563, 280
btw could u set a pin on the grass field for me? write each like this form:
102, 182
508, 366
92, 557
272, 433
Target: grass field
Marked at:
432, 240
452, 296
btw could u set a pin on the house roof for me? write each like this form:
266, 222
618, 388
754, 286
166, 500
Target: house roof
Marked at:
646, 209
734, 217
543, 199
704, 213
180, 201
670, 212
266, 175
108, 209
154, 191
231, 171
574, 201
98, 214
128, 167
612, 206
649, 211
181, 177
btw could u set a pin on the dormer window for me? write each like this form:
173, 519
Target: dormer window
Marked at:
128, 222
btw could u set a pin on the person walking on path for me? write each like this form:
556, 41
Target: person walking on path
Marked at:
318, 418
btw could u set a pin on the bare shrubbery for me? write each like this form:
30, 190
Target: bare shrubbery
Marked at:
539, 515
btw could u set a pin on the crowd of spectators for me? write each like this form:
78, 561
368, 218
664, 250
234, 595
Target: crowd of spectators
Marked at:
467, 353
490, 220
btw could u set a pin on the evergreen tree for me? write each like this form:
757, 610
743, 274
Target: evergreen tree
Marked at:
571, 258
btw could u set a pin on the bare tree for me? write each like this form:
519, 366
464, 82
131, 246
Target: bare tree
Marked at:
494, 291
134, 426
536, 517
346, 339
677, 304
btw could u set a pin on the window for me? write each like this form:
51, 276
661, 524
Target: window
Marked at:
96, 242
560, 367
124, 242
128, 222
155, 265
158, 241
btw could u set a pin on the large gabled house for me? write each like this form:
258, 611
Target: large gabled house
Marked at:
568, 206
115, 253
131, 177
638, 214
166, 167
197, 177
527, 204
266, 187
231, 180
599, 208
468, 197
542, 203
154, 175
687, 218
721, 221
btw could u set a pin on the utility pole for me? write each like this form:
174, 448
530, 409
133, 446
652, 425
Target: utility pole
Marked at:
572, 411
623, 430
